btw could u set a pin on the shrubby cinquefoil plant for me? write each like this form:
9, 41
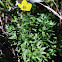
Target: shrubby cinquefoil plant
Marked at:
33, 36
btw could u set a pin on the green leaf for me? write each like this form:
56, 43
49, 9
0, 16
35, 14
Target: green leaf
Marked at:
52, 60
13, 37
43, 34
44, 28
9, 1
51, 4
14, 20
2, 4
38, 19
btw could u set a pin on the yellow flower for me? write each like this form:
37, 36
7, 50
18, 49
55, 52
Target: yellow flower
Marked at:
25, 6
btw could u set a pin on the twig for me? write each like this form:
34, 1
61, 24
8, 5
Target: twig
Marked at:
55, 4
4, 32
60, 19
61, 12
13, 51
1, 36
50, 9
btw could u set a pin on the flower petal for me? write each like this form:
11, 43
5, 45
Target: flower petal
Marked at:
24, 2
29, 5
19, 5
25, 6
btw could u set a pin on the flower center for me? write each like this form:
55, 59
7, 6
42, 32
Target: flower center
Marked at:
24, 7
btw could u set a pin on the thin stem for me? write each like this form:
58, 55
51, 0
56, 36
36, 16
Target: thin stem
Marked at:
50, 9
55, 4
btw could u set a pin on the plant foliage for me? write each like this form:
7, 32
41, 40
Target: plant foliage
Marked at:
33, 37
